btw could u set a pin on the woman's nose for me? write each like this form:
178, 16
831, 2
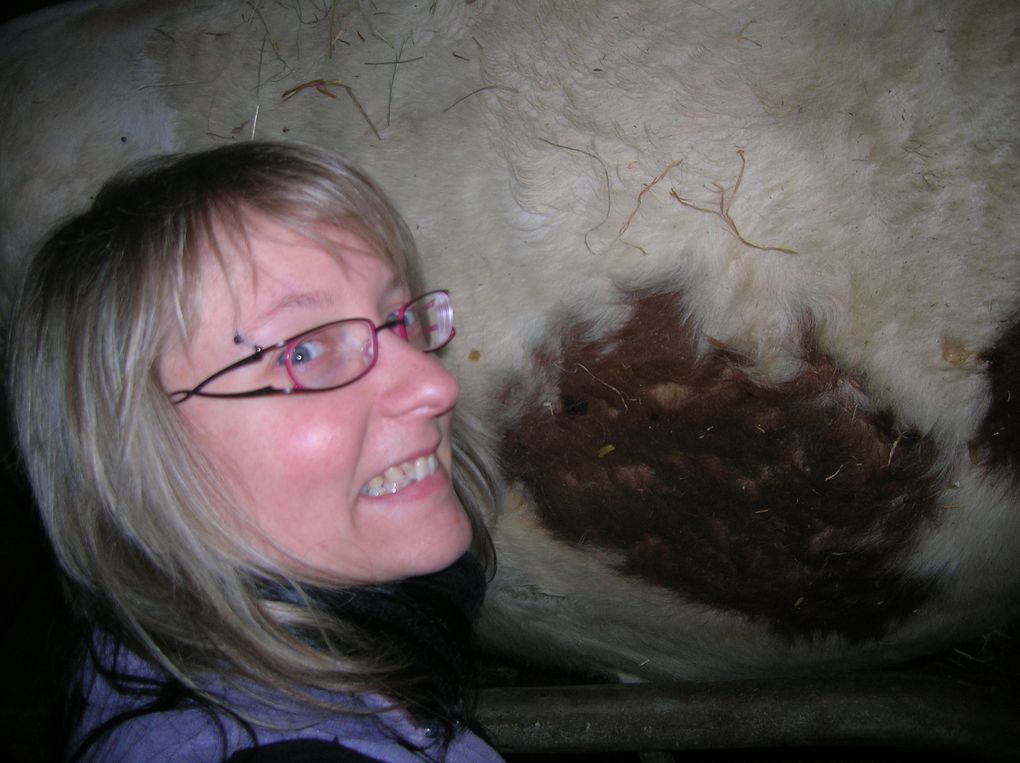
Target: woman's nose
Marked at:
413, 380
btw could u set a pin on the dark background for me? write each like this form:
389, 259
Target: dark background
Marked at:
19, 7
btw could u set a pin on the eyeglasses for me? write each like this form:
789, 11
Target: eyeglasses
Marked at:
329, 356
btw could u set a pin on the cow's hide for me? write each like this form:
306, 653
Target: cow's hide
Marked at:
736, 282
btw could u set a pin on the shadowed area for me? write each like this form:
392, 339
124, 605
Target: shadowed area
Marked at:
998, 440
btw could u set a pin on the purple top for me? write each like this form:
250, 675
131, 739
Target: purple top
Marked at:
192, 734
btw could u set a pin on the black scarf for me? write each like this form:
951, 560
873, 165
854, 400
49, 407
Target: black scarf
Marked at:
425, 622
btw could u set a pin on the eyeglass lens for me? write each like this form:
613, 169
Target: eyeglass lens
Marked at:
340, 353
427, 322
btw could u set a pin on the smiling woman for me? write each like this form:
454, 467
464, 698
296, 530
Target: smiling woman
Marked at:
329, 487
269, 540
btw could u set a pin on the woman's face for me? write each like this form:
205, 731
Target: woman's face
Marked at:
300, 463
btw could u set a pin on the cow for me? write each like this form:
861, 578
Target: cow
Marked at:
736, 286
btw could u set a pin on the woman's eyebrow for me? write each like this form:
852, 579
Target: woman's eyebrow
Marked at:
317, 299
301, 300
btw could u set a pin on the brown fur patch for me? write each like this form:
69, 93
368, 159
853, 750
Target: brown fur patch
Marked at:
790, 505
998, 440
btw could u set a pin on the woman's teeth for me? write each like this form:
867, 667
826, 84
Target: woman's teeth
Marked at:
399, 476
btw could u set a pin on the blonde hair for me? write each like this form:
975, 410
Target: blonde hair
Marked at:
139, 521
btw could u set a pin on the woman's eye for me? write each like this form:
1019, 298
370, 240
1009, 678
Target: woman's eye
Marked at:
301, 354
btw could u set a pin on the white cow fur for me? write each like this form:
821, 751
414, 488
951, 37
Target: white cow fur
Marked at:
881, 144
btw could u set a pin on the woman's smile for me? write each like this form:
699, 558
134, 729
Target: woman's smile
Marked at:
398, 477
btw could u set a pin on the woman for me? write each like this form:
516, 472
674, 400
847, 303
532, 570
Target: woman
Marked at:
240, 442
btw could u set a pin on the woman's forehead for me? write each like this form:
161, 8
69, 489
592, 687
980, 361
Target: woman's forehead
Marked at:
274, 288
248, 276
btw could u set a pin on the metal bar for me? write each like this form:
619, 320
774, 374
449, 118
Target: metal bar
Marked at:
890, 710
